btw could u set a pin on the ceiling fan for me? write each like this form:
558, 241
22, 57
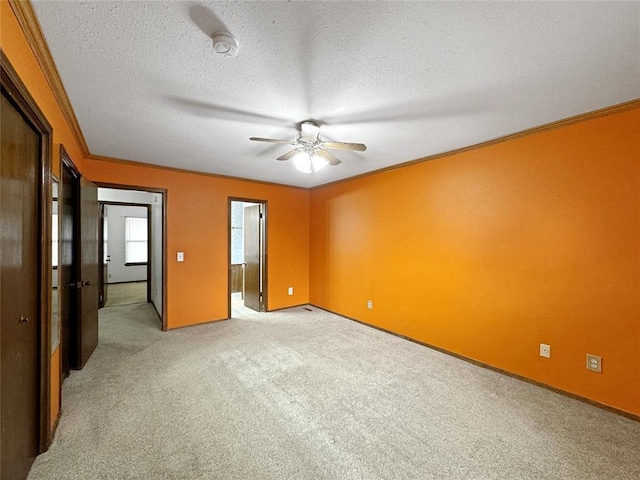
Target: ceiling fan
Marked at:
310, 153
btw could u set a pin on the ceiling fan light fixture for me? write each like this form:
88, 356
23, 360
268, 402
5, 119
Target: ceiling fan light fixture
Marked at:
310, 154
225, 44
302, 162
306, 162
318, 162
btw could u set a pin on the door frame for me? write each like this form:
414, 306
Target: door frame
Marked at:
149, 220
101, 260
164, 192
265, 263
16, 92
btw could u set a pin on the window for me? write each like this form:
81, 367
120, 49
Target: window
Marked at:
135, 240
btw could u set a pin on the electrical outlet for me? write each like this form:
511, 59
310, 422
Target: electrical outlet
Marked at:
290, 290
594, 363
545, 350
370, 304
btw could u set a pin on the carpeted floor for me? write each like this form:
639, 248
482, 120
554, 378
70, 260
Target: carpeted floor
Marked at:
300, 394
126, 293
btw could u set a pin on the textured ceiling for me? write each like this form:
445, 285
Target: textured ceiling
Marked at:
409, 79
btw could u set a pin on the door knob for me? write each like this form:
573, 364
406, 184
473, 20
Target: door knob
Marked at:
23, 319
86, 284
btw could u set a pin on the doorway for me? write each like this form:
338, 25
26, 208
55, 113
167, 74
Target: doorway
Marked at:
247, 256
25, 276
133, 248
125, 252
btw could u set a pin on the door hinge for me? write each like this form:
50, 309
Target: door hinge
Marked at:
261, 214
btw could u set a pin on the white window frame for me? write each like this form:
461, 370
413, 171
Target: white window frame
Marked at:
139, 238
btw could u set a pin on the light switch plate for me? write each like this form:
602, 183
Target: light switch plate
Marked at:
545, 350
181, 256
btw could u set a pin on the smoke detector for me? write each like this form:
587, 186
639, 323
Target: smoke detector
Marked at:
225, 44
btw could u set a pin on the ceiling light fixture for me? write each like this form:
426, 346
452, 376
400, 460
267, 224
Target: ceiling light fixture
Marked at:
308, 162
311, 154
225, 44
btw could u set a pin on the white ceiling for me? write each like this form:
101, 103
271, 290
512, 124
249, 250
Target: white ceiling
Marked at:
408, 79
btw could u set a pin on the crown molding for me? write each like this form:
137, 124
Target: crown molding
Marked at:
26, 16
603, 112
621, 107
133, 163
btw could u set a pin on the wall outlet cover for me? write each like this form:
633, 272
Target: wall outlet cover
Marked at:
594, 363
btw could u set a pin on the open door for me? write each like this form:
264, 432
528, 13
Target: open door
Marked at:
254, 285
78, 268
67, 263
103, 255
88, 286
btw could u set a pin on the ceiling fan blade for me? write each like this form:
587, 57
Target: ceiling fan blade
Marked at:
330, 158
289, 154
309, 130
271, 140
360, 147
210, 110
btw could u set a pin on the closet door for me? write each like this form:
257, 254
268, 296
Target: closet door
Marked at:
19, 292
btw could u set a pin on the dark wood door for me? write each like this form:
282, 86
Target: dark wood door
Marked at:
19, 294
89, 270
67, 264
252, 257
79, 267
103, 255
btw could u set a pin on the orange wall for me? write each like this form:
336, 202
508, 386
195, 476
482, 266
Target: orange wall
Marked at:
490, 252
15, 46
197, 219
19, 53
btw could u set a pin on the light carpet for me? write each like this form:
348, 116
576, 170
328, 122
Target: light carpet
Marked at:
300, 394
126, 293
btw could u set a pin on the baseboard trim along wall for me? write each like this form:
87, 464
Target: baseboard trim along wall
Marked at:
126, 281
292, 306
495, 369
196, 324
